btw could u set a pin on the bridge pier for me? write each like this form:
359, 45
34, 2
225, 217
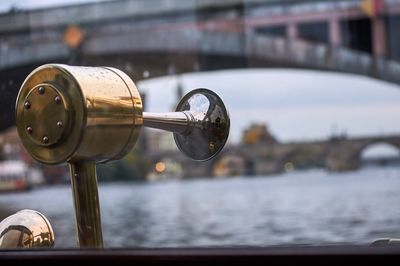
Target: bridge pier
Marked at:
343, 156
335, 37
292, 31
337, 164
378, 36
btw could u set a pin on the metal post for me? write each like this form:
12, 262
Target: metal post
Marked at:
86, 201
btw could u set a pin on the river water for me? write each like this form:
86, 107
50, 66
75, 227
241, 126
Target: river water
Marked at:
311, 207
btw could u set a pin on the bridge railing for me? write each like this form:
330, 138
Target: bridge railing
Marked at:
321, 56
282, 51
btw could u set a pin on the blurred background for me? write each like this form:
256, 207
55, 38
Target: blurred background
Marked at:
312, 88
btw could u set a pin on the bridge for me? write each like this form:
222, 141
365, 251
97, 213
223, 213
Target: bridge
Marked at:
171, 37
335, 154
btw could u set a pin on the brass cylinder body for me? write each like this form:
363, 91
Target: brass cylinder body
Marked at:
86, 114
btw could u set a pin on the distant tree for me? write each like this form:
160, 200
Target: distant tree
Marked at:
2, 157
134, 166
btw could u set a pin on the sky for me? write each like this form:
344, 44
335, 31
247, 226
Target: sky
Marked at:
296, 105
6, 5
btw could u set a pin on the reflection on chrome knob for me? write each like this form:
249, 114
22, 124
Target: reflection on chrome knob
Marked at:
26, 229
200, 124
209, 128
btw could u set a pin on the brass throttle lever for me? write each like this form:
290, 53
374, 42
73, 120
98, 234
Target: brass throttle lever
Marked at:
89, 115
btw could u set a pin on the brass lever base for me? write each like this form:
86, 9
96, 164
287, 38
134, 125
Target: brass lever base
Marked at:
87, 207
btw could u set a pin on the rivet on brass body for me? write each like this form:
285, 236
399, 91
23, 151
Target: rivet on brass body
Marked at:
59, 124
57, 99
45, 140
27, 105
41, 90
29, 129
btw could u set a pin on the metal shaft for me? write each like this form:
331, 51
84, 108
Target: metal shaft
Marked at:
178, 122
86, 201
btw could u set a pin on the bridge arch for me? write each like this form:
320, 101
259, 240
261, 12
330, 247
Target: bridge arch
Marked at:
179, 51
379, 153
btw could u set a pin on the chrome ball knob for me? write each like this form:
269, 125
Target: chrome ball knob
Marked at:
209, 129
26, 229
